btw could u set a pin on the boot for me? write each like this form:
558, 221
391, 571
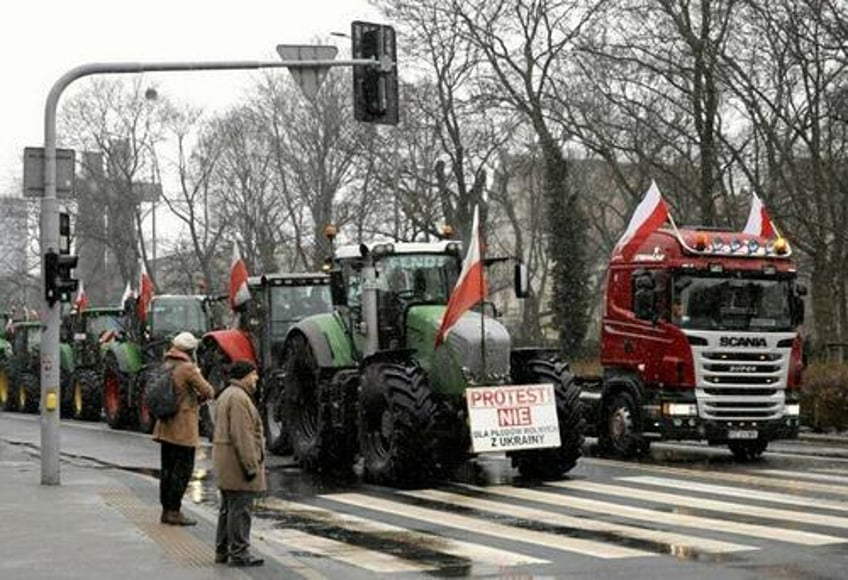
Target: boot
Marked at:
177, 518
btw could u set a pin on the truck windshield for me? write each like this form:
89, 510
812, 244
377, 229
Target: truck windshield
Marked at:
730, 303
170, 316
101, 323
418, 277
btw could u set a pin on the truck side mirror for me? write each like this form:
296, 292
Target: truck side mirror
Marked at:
521, 281
644, 296
338, 291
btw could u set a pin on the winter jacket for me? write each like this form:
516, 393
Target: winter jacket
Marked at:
238, 449
192, 389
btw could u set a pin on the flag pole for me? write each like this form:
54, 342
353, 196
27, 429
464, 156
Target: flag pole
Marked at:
481, 247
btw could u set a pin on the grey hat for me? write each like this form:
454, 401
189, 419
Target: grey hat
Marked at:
185, 341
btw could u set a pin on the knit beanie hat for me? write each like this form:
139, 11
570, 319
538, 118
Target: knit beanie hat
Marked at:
185, 341
241, 368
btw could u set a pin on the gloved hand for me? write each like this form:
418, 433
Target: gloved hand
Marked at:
250, 475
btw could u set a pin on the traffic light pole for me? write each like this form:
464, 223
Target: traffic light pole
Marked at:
50, 310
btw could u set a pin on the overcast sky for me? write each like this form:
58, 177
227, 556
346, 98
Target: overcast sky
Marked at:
40, 41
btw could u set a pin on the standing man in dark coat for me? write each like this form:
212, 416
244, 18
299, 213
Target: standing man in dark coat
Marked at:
179, 434
238, 453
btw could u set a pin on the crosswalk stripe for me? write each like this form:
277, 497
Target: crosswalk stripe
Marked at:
670, 539
353, 523
655, 516
744, 478
774, 497
806, 475
706, 504
837, 470
485, 527
370, 560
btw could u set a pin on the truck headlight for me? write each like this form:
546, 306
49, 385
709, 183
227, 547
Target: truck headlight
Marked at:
677, 409
793, 410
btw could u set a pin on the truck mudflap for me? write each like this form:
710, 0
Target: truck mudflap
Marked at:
674, 415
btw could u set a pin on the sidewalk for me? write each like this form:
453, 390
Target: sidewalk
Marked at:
104, 524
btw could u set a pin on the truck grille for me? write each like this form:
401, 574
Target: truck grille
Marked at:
740, 385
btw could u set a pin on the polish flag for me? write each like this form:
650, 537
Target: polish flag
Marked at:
759, 222
239, 294
471, 287
145, 293
81, 300
650, 214
128, 295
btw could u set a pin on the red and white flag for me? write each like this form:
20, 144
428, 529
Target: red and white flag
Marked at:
650, 214
81, 300
145, 293
759, 222
128, 295
471, 287
239, 294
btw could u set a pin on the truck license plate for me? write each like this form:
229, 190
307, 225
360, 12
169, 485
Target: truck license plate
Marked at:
739, 434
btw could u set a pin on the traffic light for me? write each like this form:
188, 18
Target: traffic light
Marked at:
58, 283
375, 88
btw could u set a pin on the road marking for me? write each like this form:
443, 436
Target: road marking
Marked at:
485, 527
746, 478
674, 542
702, 503
773, 497
833, 470
458, 548
358, 556
655, 516
807, 475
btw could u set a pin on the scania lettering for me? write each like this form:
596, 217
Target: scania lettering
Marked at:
699, 341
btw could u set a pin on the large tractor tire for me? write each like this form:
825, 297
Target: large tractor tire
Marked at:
86, 399
7, 399
750, 450
116, 387
214, 363
29, 393
318, 442
144, 419
620, 433
397, 415
553, 463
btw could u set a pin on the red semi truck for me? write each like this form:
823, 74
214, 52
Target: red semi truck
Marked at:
699, 341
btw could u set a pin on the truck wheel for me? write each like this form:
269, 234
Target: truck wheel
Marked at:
29, 393
308, 403
145, 420
552, 463
747, 450
619, 433
214, 363
397, 413
86, 400
115, 393
7, 401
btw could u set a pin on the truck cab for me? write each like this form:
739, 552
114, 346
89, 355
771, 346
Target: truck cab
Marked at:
699, 341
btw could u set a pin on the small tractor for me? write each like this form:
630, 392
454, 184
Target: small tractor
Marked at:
132, 355
277, 302
368, 380
24, 364
88, 334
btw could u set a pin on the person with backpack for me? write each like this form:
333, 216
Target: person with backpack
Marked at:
179, 434
238, 454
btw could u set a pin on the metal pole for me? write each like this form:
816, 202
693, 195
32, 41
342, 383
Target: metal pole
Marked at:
49, 223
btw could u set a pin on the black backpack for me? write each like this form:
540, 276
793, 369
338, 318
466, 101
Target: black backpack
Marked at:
160, 395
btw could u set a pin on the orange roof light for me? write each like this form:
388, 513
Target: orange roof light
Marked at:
781, 245
700, 241
447, 231
330, 231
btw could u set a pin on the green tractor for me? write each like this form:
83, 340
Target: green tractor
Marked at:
367, 379
88, 334
24, 364
129, 360
277, 302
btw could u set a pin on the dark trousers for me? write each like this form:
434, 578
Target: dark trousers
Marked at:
177, 467
233, 535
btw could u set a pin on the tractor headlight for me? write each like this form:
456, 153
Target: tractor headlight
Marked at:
792, 410
678, 409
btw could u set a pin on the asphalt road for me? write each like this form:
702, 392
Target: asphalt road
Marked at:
686, 511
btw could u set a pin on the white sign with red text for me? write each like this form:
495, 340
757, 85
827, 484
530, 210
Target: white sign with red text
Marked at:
512, 417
